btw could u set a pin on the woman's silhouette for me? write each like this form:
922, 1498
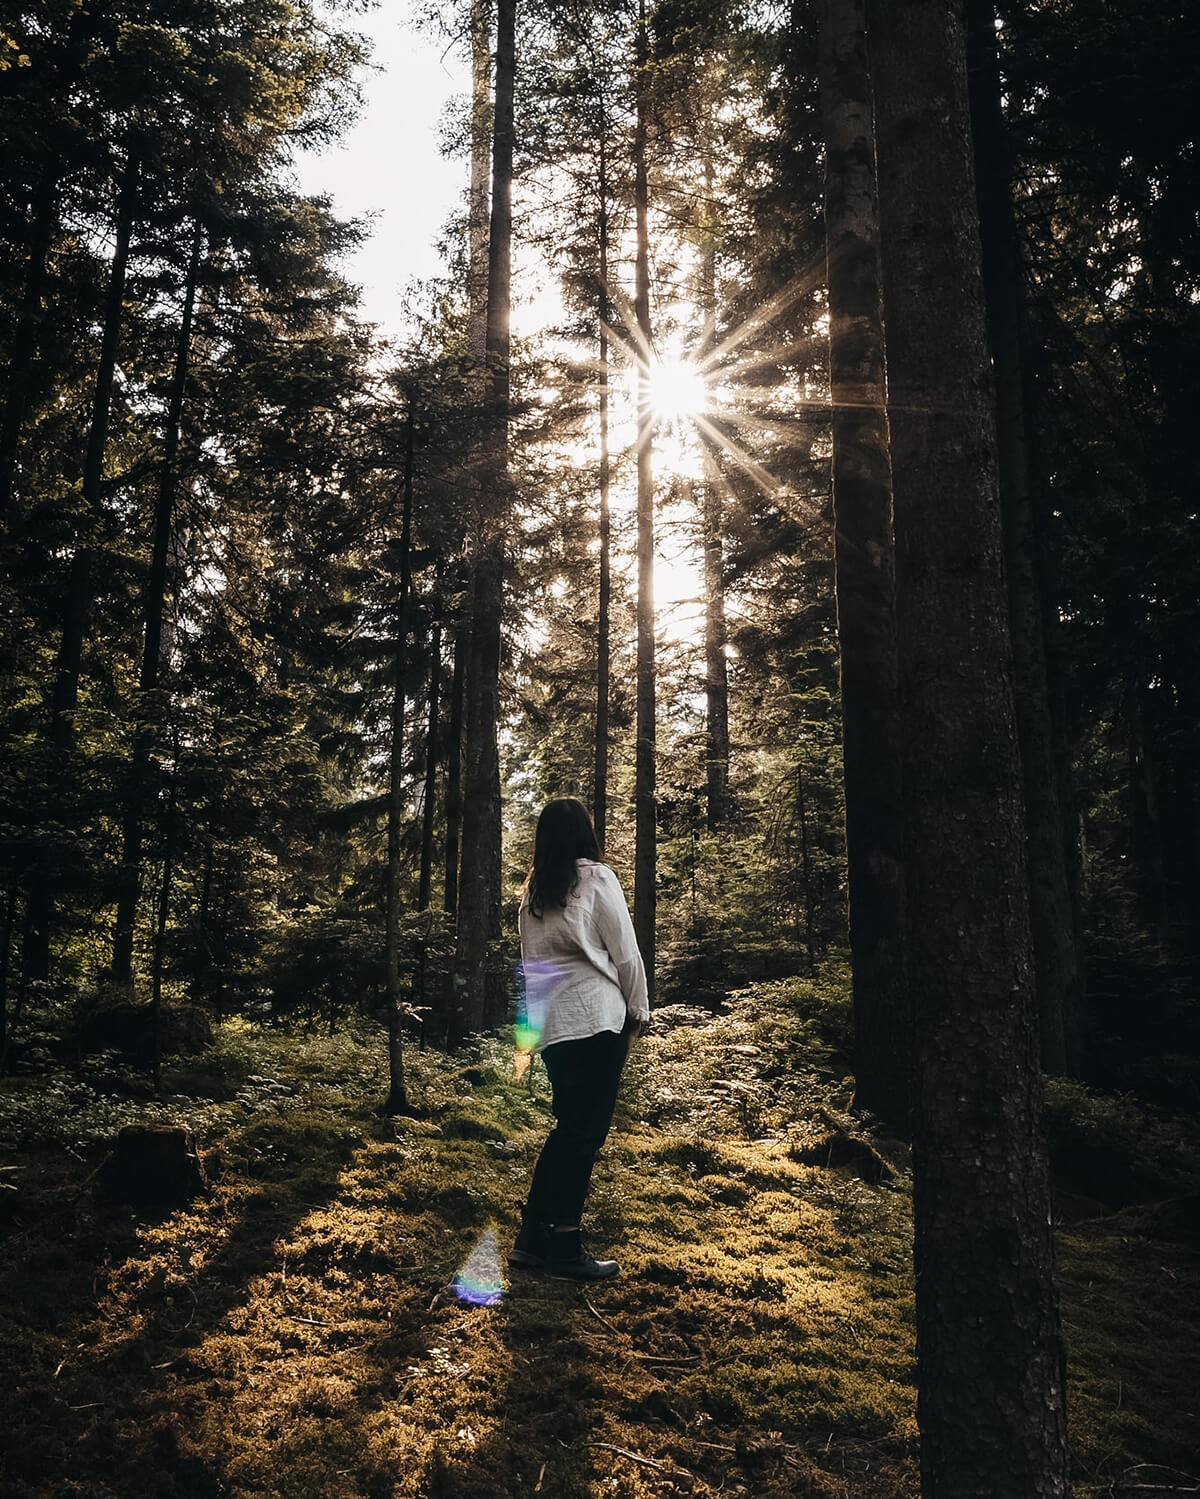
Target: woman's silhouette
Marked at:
584, 1005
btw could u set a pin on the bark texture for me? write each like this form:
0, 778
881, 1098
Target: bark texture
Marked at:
479, 884
865, 572
990, 1362
1056, 960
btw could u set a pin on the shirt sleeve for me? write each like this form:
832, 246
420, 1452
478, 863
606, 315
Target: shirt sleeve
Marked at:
615, 929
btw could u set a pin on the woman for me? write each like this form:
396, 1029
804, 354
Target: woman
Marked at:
585, 1004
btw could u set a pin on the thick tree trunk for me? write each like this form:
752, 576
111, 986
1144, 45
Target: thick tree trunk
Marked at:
645, 818
80, 582
603, 644
865, 572
479, 893
152, 627
397, 1098
1056, 965
716, 666
989, 1355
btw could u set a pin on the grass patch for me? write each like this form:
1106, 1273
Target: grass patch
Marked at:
295, 1332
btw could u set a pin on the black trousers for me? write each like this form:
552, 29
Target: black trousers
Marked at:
584, 1076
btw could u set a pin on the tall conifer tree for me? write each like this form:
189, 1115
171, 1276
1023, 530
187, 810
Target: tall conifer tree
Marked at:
864, 556
991, 1402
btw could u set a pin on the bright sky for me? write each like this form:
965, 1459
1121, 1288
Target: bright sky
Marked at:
389, 166
389, 169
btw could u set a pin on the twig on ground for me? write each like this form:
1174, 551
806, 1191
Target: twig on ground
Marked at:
600, 1315
68, 1359
671, 1469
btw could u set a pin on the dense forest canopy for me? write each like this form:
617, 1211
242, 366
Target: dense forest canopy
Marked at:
206, 463
301, 624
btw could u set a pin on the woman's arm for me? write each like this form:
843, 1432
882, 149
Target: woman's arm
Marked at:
611, 916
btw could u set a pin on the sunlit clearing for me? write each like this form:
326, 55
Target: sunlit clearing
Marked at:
478, 1282
678, 392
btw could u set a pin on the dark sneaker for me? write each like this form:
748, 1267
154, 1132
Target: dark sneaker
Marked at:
532, 1245
568, 1260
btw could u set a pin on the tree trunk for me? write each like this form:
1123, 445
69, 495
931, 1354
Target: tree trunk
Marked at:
10, 911
397, 1098
1150, 865
1056, 965
80, 583
645, 819
805, 869
865, 572
429, 799
160, 927
479, 894
716, 666
455, 748
428, 807
24, 344
477, 203
989, 1355
149, 712
603, 645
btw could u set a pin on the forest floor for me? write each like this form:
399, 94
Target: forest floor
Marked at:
305, 1329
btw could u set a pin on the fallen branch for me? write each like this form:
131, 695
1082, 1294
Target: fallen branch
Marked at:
600, 1316
646, 1462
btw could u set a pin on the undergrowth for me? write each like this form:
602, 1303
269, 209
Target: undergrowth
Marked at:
297, 1332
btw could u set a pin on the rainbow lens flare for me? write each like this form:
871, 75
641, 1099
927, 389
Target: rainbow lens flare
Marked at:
538, 981
478, 1282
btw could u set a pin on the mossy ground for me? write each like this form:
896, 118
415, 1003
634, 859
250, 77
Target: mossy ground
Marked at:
295, 1333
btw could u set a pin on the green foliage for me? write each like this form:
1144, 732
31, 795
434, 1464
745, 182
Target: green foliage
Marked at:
1115, 1149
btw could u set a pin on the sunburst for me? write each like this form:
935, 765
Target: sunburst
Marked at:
698, 395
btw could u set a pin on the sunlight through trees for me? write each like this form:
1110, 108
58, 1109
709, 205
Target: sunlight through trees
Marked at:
793, 458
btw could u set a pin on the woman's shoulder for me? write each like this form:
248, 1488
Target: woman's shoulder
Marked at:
593, 872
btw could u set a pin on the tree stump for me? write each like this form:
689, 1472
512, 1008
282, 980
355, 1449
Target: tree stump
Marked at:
154, 1165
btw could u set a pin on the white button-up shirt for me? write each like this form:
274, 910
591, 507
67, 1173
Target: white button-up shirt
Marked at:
582, 968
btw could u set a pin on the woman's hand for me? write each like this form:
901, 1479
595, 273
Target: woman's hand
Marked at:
633, 1030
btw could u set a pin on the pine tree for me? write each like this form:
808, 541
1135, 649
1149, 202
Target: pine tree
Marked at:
990, 1361
862, 503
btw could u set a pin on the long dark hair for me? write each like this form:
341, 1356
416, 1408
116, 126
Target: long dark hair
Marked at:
564, 834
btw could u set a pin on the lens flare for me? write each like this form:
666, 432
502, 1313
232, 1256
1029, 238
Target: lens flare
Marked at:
478, 1282
536, 983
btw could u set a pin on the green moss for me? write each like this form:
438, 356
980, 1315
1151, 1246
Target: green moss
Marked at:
294, 1333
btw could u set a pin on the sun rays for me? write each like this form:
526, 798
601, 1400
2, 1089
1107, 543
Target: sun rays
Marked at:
712, 412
